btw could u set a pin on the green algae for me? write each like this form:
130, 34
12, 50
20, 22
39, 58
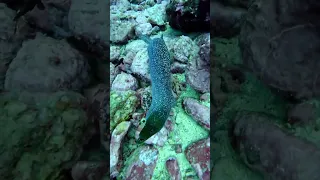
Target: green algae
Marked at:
122, 105
186, 131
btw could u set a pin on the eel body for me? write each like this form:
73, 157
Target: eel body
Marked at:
162, 97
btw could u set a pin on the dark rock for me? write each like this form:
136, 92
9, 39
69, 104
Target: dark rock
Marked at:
83, 170
270, 150
178, 67
271, 49
302, 114
225, 20
191, 16
97, 110
235, 3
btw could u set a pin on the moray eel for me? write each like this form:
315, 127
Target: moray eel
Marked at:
162, 97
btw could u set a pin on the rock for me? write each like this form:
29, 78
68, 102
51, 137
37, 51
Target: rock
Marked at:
59, 4
116, 139
235, 3
184, 49
102, 72
131, 49
203, 41
230, 168
121, 31
53, 19
199, 79
141, 19
268, 45
136, 117
143, 29
144, 95
140, 65
179, 84
225, 20
199, 112
198, 154
275, 153
115, 53
57, 67
122, 106
44, 130
87, 18
114, 71
189, 16
173, 168
119, 5
124, 82
178, 67
83, 170
97, 110
9, 44
141, 163
156, 14
198, 75
302, 114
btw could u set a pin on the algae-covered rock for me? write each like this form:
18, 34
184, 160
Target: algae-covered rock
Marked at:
116, 140
141, 163
41, 134
185, 49
198, 154
122, 106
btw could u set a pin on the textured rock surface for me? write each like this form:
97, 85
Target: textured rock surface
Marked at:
58, 66
87, 18
116, 140
140, 65
121, 31
225, 19
142, 163
184, 49
269, 45
173, 168
124, 82
96, 98
9, 44
268, 149
41, 130
199, 112
122, 106
199, 79
198, 154
203, 41
83, 170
